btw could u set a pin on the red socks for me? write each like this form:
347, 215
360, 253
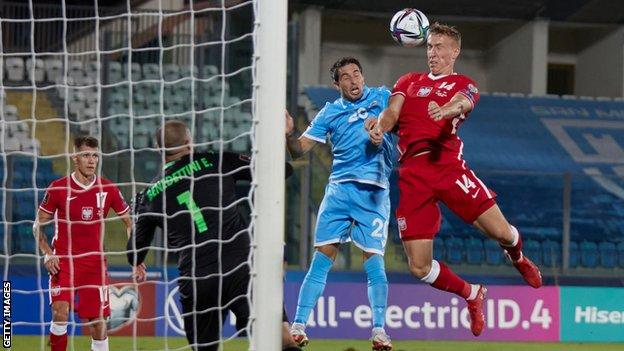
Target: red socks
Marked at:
449, 281
58, 342
515, 249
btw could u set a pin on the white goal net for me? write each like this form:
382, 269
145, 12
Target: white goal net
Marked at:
117, 71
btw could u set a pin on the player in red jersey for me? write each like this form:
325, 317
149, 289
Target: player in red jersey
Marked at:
75, 261
427, 109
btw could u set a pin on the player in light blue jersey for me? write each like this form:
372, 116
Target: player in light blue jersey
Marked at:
356, 206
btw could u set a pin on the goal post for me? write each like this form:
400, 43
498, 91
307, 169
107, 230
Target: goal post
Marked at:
269, 101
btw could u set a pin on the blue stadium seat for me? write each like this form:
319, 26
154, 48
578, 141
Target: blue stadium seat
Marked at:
533, 250
439, 249
551, 251
608, 256
454, 250
589, 254
474, 250
320, 95
23, 240
23, 205
493, 253
620, 253
574, 254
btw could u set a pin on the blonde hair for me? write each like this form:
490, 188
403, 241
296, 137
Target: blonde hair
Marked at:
449, 31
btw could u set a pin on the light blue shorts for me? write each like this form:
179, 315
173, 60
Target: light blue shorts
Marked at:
356, 212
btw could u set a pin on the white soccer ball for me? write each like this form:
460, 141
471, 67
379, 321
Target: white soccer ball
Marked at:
409, 27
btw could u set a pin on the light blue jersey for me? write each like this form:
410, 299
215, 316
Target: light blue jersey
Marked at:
356, 205
355, 158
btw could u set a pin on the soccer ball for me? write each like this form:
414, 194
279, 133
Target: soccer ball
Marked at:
409, 27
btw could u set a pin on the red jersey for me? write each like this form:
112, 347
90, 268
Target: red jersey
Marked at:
79, 210
417, 131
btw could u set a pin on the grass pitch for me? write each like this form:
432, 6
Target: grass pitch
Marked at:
80, 343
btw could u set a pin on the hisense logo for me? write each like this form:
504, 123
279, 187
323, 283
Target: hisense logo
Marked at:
592, 315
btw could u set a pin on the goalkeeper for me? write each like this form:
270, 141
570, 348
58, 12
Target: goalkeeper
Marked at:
196, 206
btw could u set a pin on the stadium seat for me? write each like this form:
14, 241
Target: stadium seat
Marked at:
533, 250
88, 113
493, 253
116, 107
216, 90
91, 96
551, 251
76, 107
143, 126
588, 252
240, 145
439, 249
608, 258
147, 89
54, 70
135, 71
574, 254
620, 253
454, 250
182, 88
187, 71
151, 71
17, 128
474, 250
114, 72
91, 71
141, 140
171, 71
209, 71
10, 113
175, 104
29, 145
24, 242
12, 144
75, 73
119, 92
38, 70
15, 69
138, 99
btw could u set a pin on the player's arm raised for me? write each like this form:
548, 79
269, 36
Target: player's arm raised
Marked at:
458, 105
387, 119
50, 261
297, 146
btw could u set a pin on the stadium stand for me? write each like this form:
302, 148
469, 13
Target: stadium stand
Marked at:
148, 99
564, 137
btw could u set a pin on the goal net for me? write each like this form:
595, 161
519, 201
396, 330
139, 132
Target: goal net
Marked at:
118, 73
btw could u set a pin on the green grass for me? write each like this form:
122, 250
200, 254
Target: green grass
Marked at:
33, 343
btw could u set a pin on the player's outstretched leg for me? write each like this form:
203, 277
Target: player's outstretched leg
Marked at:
378, 299
441, 277
311, 289
529, 271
